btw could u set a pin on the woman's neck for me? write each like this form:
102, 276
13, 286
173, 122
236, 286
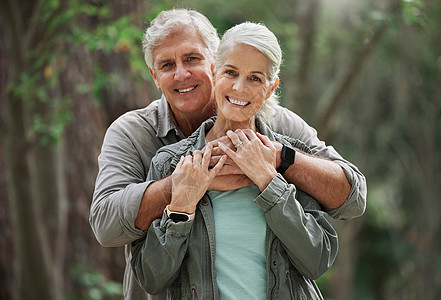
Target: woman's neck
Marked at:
222, 125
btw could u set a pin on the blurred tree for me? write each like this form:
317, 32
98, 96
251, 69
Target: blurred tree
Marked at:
33, 163
56, 53
365, 73
399, 112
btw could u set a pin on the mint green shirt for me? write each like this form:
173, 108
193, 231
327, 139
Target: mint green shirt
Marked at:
240, 230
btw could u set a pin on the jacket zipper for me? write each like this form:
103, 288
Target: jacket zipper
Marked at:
194, 292
290, 284
274, 274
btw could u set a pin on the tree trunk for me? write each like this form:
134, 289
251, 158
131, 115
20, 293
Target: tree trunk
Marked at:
33, 170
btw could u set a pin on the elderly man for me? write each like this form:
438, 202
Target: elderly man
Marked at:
180, 48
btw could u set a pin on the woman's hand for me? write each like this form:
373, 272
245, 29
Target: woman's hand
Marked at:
191, 178
255, 155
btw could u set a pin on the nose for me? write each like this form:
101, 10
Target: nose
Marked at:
239, 85
181, 72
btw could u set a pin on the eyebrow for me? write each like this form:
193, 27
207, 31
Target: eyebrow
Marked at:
192, 53
161, 62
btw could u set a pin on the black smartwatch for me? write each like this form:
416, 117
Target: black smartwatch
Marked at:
179, 216
288, 158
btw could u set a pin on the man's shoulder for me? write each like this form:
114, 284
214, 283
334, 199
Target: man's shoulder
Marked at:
285, 121
146, 114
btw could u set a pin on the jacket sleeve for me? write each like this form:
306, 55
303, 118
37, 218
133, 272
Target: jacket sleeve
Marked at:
304, 230
121, 182
290, 124
157, 258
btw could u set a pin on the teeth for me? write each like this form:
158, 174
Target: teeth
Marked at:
237, 102
186, 90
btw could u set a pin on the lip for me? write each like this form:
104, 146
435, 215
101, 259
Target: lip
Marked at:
184, 90
237, 101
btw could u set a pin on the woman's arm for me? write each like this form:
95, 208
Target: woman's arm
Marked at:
157, 259
293, 216
305, 231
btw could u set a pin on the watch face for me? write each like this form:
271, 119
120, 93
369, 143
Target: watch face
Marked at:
177, 217
289, 155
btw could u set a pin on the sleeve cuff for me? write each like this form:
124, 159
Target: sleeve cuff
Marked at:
129, 209
353, 206
175, 228
272, 193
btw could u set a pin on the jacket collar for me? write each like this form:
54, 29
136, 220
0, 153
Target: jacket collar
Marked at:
166, 120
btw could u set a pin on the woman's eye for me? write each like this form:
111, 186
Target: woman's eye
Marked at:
194, 59
230, 72
255, 78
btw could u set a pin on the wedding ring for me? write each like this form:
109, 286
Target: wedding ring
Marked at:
238, 144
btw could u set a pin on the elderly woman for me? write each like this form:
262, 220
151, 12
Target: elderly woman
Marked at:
268, 240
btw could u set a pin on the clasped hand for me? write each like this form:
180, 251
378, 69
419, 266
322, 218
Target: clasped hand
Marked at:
255, 155
191, 178
253, 162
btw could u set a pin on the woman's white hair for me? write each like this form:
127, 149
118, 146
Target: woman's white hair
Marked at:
173, 22
261, 38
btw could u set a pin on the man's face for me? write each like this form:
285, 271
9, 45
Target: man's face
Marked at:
182, 71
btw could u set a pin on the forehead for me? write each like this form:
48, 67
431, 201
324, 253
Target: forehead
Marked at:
246, 58
180, 43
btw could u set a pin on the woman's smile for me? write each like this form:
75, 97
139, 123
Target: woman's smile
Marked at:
237, 101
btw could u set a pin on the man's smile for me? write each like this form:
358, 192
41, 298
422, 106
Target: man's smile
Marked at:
186, 90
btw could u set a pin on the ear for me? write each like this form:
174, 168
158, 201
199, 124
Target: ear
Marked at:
273, 87
212, 72
154, 79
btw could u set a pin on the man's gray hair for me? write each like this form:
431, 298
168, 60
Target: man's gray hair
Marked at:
261, 38
173, 21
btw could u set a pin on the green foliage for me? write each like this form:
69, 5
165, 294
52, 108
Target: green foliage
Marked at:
67, 25
51, 126
414, 12
97, 287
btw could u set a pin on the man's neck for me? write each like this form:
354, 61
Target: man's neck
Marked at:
189, 122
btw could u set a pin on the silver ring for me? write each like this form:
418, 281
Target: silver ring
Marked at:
238, 144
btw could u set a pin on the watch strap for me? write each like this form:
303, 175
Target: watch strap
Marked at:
288, 158
179, 216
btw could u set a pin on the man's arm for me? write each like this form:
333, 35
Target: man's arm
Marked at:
121, 179
315, 175
322, 179
155, 198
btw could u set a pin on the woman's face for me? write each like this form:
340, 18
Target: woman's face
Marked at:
242, 83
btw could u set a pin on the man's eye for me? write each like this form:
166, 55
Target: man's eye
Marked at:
166, 65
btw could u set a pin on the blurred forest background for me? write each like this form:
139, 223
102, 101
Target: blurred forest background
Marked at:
366, 74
